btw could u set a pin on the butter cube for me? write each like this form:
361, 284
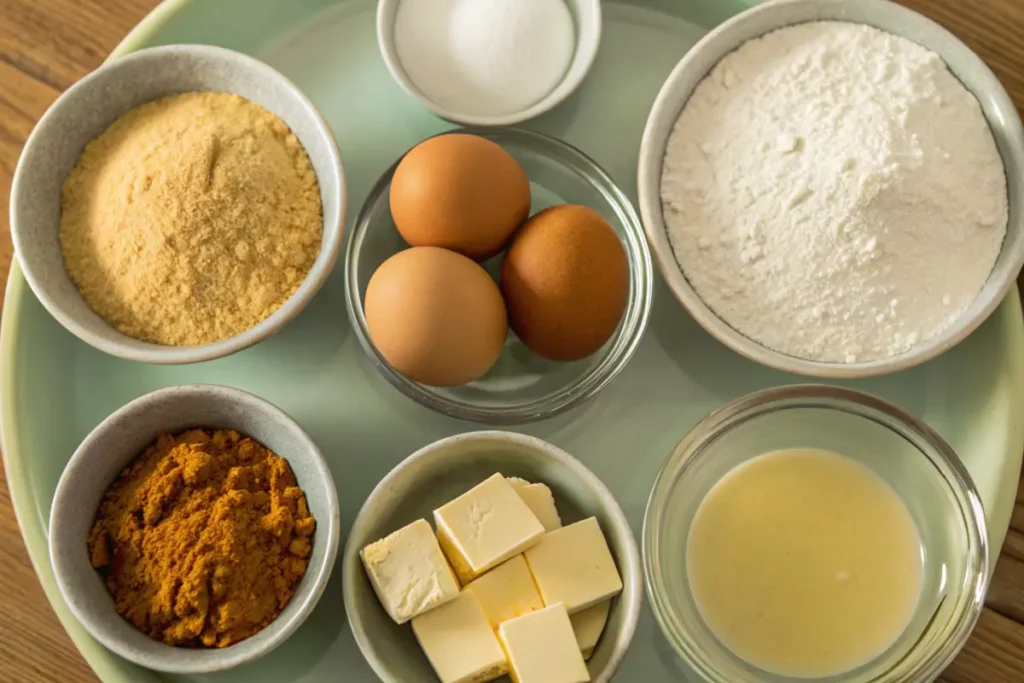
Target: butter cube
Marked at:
459, 642
408, 572
484, 527
588, 624
574, 566
542, 648
517, 482
507, 591
540, 501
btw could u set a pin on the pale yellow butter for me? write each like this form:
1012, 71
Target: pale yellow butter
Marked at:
588, 624
542, 648
507, 591
574, 566
408, 571
484, 527
459, 642
539, 499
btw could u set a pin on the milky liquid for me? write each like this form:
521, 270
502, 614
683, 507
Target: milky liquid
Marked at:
804, 563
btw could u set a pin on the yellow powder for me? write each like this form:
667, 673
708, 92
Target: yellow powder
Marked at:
191, 219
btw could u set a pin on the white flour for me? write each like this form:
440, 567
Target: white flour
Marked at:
833, 192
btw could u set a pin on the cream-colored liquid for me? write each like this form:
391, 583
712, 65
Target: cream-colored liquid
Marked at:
804, 563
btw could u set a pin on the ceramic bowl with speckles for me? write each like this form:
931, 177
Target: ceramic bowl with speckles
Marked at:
88, 108
445, 469
996, 105
121, 438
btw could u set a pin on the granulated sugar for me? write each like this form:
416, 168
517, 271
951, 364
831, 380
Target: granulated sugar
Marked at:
485, 57
834, 193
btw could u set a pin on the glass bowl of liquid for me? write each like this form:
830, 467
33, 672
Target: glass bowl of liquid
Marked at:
814, 532
521, 386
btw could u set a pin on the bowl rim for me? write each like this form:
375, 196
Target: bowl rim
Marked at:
352, 567
649, 170
129, 348
625, 341
758, 403
585, 52
218, 659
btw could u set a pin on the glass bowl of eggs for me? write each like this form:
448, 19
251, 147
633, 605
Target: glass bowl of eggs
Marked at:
498, 275
814, 532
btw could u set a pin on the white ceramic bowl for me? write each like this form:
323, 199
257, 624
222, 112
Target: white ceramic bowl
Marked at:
586, 15
997, 106
86, 109
447, 468
118, 441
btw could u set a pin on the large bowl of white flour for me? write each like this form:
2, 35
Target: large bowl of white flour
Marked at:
833, 187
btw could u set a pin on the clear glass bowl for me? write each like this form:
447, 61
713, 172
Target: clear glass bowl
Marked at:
909, 455
521, 387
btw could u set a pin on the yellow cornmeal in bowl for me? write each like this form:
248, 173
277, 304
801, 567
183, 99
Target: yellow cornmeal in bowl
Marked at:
191, 218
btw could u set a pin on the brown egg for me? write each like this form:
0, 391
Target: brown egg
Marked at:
566, 281
436, 316
461, 192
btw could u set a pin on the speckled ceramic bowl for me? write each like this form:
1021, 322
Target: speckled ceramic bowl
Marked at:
115, 443
86, 109
439, 472
996, 105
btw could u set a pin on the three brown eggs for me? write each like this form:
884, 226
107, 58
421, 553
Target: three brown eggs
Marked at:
435, 313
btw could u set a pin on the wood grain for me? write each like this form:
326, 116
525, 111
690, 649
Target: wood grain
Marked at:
46, 45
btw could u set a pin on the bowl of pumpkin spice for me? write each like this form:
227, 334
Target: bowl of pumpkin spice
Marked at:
194, 529
178, 204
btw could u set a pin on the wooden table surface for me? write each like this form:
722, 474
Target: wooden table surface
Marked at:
46, 45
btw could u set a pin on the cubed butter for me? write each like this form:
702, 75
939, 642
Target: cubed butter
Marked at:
484, 527
574, 566
517, 482
542, 648
409, 572
459, 642
588, 624
507, 591
539, 499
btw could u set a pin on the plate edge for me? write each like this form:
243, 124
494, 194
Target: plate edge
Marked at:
98, 658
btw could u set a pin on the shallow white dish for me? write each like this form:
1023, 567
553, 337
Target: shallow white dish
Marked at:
997, 106
586, 16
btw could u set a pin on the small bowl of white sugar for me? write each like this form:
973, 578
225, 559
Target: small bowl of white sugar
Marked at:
834, 188
489, 62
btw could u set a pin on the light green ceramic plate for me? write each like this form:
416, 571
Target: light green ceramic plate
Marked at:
55, 389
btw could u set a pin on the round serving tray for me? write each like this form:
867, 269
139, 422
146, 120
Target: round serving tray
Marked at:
55, 388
